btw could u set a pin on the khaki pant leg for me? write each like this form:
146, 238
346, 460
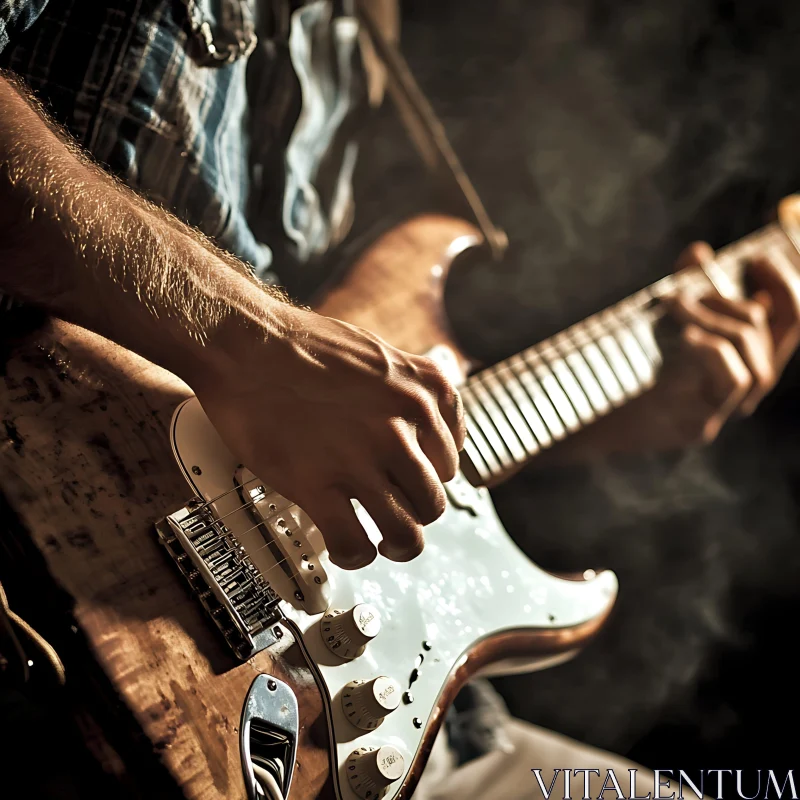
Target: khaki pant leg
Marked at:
508, 776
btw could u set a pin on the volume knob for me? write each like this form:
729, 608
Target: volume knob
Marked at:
371, 769
347, 633
366, 703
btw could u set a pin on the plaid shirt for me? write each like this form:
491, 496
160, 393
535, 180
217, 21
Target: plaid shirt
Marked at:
252, 150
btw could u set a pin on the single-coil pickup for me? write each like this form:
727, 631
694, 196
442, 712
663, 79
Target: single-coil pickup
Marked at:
296, 543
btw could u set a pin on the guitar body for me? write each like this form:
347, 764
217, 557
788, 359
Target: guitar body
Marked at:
89, 465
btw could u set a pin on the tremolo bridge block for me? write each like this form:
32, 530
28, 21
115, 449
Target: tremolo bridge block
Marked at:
236, 596
243, 559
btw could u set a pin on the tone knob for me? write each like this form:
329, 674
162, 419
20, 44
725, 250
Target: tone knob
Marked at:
371, 769
366, 703
346, 633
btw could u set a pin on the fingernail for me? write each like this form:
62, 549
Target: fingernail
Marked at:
399, 553
355, 561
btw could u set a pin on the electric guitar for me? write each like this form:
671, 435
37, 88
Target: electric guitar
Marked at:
277, 674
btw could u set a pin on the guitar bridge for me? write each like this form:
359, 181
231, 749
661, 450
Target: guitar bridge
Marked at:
231, 589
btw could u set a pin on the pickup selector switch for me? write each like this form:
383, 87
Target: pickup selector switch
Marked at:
371, 769
347, 633
366, 703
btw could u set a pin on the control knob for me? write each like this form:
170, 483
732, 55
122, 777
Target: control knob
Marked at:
366, 703
371, 769
347, 633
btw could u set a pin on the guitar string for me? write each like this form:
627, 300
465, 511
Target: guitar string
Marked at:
266, 545
543, 348
622, 314
696, 277
685, 280
244, 506
263, 547
689, 277
236, 486
203, 531
497, 369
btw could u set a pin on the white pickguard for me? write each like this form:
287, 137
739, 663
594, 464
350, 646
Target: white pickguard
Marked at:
470, 582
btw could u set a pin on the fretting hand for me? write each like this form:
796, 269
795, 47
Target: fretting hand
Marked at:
730, 354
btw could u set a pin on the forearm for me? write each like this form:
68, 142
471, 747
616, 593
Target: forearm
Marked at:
322, 411
85, 248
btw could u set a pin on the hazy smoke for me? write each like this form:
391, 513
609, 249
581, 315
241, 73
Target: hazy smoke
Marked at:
604, 137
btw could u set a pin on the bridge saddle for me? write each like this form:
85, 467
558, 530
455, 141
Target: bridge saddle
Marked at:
231, 589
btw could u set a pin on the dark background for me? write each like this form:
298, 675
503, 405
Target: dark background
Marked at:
604, 137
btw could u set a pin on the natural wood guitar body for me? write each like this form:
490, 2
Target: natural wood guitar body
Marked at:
396, 289
87, 467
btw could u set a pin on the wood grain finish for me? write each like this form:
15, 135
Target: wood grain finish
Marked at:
396, 289
86, 464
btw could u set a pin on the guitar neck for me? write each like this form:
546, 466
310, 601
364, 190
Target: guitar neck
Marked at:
526, 403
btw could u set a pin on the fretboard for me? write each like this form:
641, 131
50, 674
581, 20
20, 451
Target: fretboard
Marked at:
525, 404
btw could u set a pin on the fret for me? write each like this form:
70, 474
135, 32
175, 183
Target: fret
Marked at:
471, 452
486, 427
605, 375
522, 405
636, 357
486, 452
665, 287
538, 396
569, 384
582, 371
638, 314
643, 331
642, 328
721, 281
619, 364
790, 241
733, 258
552, 389
510, 384
512, 413
498, 419
598, 364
